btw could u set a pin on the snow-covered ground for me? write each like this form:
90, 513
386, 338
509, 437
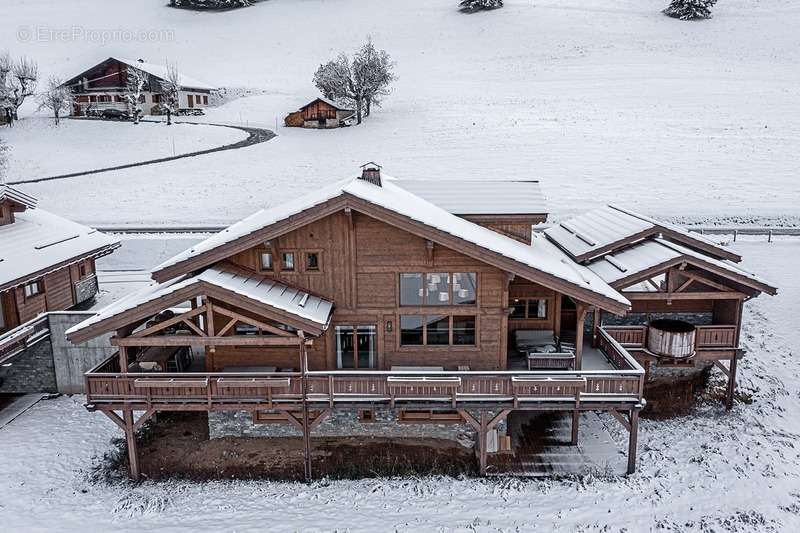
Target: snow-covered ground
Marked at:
40, 149
603, 100
709, 472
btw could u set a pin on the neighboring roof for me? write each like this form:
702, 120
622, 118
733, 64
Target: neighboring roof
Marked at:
606, 229
651, 253
542, 257
38, 242
327, 101
8, 192
486, 197
232, 280
160, 71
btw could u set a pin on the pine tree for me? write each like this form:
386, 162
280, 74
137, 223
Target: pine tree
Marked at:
476, 5
690, 9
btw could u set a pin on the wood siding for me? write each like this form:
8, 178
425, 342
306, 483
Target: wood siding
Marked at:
360, 262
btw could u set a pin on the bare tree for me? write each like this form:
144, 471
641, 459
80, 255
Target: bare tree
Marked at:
373, 70
57, 98
170, 91
360, 82
4, 150
134, 89
17, 82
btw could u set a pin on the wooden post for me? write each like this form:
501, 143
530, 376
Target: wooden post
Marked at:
576, 417
123, 359
596, 323
632, 438
482, 442
130, 439
580, 317
304, 388
731, 384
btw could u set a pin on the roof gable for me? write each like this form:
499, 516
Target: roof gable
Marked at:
159, 71
542, 262
325, 101
10, 194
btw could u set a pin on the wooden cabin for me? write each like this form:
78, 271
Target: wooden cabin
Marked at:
103, 86
407, 295
47, 263
320, 113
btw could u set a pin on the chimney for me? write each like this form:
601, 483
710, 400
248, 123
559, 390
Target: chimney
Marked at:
371, 172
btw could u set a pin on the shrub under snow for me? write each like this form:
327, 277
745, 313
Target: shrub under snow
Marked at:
690, 9
475, 5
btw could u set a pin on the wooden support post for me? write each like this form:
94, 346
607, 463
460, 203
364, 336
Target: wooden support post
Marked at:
632, 438
581, 310
130, 438
596, 323
304, 388
123, 359
576, 417
731, 384
483, 443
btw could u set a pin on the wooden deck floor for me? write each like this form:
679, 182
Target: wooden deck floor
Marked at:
593, 359
542, 447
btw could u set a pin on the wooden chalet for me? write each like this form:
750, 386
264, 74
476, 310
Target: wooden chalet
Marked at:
406, 295
47, 263
320, 113
103, 86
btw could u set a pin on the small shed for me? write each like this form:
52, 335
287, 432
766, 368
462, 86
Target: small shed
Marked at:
319, 113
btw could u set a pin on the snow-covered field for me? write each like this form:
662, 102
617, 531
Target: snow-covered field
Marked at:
40, 149
709, 472
603, 100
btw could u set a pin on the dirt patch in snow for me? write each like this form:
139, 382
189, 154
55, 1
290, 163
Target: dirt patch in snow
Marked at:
177, 446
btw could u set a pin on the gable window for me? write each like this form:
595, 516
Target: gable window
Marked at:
438, 288
266, 261
529, 308
33, 288
287, 260
312, 262
437, 330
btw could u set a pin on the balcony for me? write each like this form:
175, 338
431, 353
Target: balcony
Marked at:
618, 384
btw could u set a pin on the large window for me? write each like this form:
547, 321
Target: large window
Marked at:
529, 309
356, 346
437, 330
438, 288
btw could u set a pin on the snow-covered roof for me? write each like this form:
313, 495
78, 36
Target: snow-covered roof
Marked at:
656, 251
8, 192
591, 234
39, 240
327, 101
251, 286
486, 197
541, 256
160, 71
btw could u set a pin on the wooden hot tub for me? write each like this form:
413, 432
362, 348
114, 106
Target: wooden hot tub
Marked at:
671, 338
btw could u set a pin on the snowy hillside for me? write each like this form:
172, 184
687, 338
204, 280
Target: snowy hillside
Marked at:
600, 99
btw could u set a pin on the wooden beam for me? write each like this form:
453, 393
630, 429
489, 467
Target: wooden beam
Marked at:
147, 415
683, 286
631, 295
497, 419
731, 384
718, 364
227, 327
483, 442
621, 419
581, 309
169, 322
184, 340
304, 388
705, 281
320, 418
115, 418
123, 359
130, 438
200, 332
470, 419
632, 438
253, 322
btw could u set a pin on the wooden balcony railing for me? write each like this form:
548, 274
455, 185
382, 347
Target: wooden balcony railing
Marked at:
243, 390
18, 339
706, 337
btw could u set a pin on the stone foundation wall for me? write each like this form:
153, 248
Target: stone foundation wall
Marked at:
33, 370
344, 423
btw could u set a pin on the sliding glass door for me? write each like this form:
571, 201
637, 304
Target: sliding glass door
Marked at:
356, 346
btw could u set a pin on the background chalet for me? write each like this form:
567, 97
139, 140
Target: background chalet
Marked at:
103, 86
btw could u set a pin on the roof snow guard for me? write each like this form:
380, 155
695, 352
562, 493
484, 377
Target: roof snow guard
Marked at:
610, 228
543, 262
9, 193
